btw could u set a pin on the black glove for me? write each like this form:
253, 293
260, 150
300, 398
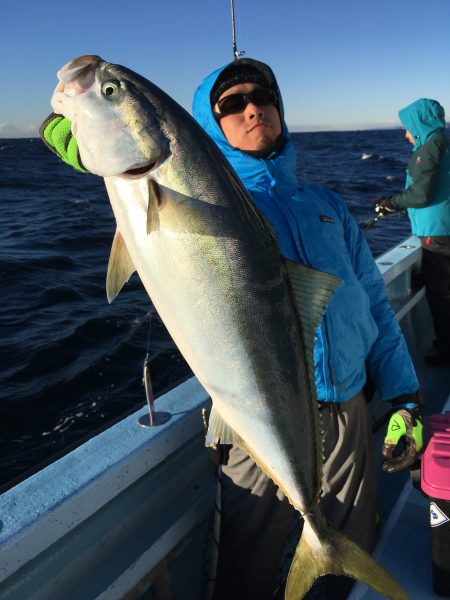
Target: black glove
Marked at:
383, 206
405, 424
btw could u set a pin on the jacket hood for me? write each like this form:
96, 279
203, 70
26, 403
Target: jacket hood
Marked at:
422, 119
250, 169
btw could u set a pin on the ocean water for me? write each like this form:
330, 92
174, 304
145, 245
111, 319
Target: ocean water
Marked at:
70, 363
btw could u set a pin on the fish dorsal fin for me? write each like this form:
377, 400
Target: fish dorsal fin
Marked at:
120, 267
312, 292
220, 431
154, 204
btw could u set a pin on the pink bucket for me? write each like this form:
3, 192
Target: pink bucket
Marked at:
435, 476
435, 482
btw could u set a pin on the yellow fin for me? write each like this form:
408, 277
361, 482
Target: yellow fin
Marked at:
120, 267
220, 431
338, 555
312, 291
154, 204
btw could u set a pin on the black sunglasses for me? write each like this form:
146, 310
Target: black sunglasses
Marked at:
236, 103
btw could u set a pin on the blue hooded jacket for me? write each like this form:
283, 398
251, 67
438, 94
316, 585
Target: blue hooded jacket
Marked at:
427, 194
313, 227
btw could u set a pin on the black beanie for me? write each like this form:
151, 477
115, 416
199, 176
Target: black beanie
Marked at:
240, 71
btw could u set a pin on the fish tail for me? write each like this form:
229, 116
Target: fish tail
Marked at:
338, 555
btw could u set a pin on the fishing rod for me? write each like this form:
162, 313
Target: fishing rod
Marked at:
236, 53
365, 225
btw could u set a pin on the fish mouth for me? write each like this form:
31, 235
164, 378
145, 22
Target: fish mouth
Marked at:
139, 170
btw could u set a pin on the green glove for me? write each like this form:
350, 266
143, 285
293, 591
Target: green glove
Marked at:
405, 424
56, 134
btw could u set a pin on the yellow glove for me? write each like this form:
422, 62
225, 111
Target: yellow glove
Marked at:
405, 424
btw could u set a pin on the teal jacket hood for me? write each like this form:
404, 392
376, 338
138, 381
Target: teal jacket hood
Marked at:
422, 119
252, 171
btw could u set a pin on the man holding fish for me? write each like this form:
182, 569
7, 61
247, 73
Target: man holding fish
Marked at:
240, 107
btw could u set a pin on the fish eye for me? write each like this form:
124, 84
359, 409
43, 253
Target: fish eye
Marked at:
110, 88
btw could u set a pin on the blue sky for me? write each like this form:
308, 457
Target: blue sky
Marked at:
341, 64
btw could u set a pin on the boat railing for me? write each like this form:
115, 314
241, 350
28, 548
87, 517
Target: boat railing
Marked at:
401, 271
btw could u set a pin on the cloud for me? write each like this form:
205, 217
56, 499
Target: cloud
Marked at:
11, 131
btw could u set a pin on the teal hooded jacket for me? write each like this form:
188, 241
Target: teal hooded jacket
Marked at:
427, 193
313, 227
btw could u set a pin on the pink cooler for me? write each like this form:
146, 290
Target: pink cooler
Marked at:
435, 482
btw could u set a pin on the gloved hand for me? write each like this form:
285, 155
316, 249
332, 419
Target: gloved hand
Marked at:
56, 134
383, 206
405, 424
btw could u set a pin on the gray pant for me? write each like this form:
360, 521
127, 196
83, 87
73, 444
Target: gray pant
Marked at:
257, 519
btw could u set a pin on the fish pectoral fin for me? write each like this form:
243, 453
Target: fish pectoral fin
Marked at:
120, 267
155, 202
338, 555
220, 431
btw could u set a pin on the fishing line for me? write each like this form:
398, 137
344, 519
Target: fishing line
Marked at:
150, 317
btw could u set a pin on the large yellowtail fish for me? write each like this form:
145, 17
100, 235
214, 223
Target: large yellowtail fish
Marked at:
243, 319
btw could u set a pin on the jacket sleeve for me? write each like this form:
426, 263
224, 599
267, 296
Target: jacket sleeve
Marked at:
423, 169
389, 363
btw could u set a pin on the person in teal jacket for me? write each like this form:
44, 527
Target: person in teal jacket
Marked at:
240, 107
427, 198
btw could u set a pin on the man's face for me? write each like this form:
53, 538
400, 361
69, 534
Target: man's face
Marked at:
254, 129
